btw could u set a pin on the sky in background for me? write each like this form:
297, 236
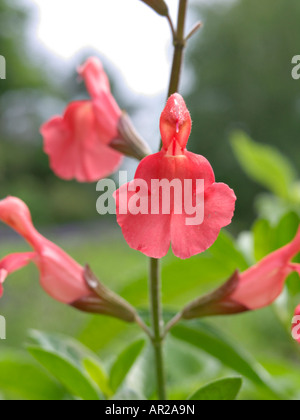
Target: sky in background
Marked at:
127, 32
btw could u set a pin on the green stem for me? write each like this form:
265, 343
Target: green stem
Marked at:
155, 280
179, 46
157, 325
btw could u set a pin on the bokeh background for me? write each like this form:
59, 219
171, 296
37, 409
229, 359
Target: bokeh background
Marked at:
237, 76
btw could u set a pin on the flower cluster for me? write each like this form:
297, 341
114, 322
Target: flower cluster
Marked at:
88, 143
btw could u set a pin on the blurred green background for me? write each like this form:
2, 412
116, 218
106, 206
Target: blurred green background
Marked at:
238, 79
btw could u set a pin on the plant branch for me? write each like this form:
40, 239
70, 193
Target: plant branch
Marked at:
159, 332
194, 30
177, 318
157, 325
179, 45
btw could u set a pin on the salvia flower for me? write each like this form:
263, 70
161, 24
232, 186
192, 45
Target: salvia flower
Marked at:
60, 276
255, 288
88, 142
198, 207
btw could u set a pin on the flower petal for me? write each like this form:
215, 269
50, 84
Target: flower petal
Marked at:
95, 78
261, 284
147, 233
98, 86
189, 240
175, 123
13, 262
76, 147
16, 214
61, 276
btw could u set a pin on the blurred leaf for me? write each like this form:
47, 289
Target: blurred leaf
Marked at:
230, 354
287, 229
128, 395
221, 390
142, 377
63, 358
190, 363
227, 253
21, 378
268, 238
263, 239
98, 375
158, 5
264, 164
124, 363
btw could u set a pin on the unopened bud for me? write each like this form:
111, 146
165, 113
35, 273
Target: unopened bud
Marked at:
104, 301
129, 142
216, 303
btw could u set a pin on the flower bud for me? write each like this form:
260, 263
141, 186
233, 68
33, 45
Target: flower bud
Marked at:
215, 303
104, 301
255, 288
129, 142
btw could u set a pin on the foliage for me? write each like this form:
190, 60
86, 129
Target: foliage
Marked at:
241, 67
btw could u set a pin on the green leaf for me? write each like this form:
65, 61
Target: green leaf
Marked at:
221, 390
211, 341
98, 375
128, 395
159, 6
264, 164
124, 363
142, 377
268, 238
226, 251
63, 357
21, 378
263, 235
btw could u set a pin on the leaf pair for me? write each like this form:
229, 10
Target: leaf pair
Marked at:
79, 370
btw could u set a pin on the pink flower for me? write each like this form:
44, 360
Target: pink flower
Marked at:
87, 143
260, 285
152, 232
60, 276
255, 288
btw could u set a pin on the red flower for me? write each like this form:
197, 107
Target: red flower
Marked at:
260, 285
255, 288
152, 231
88, 141
60, 276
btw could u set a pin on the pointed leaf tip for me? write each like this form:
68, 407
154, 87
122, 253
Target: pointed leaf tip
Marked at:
159, 6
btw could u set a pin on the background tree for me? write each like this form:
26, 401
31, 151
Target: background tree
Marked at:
242, 79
